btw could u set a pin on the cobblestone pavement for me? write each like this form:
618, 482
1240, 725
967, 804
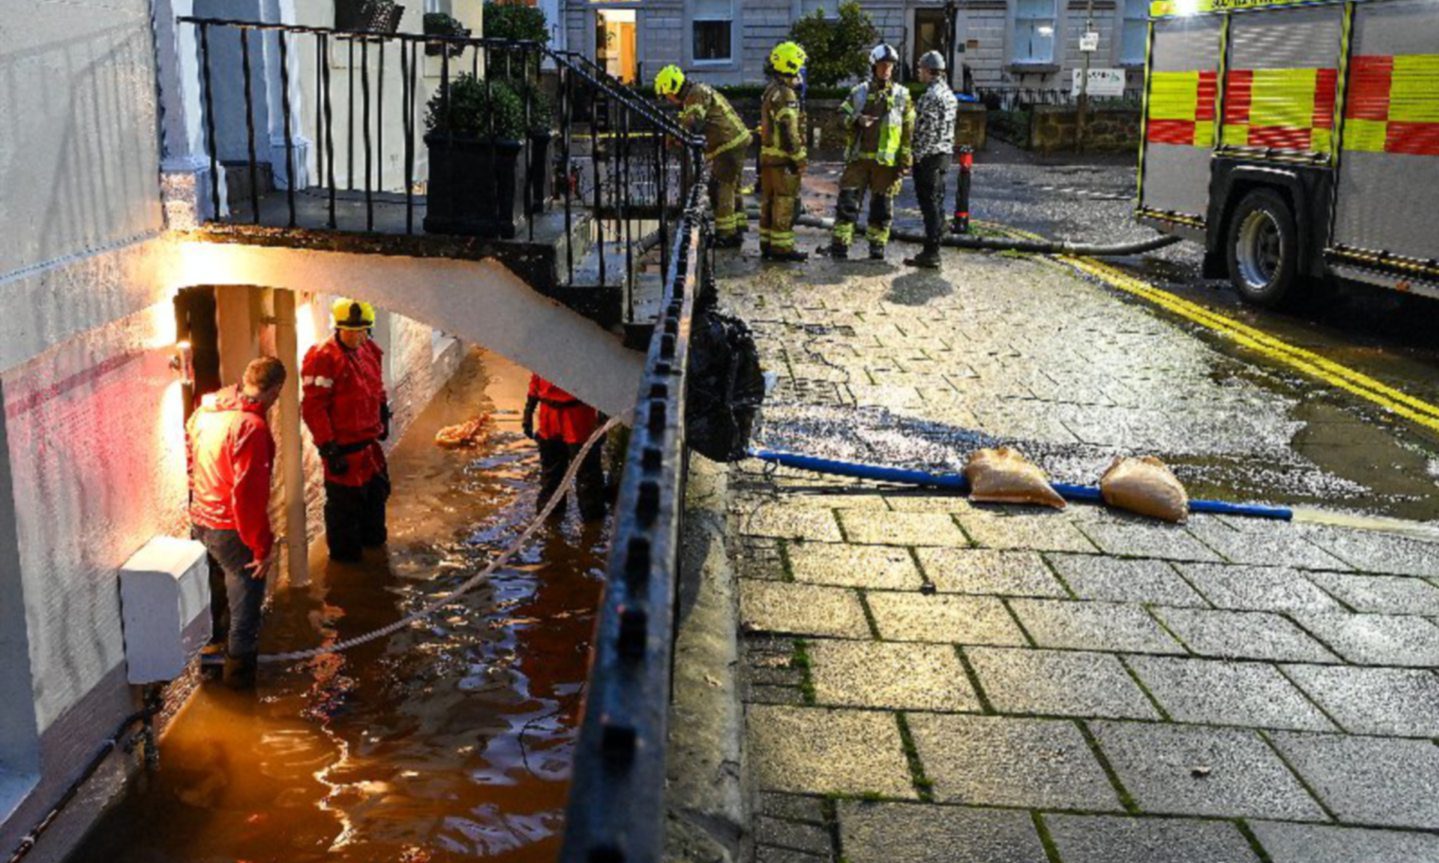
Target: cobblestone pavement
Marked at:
930, 680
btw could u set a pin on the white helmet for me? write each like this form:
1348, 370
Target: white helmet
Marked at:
882, 53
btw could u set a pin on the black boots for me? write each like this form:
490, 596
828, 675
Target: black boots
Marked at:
787, 255
927, 259
240, 671
729, 241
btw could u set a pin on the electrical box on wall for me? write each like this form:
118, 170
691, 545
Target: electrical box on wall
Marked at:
165, 608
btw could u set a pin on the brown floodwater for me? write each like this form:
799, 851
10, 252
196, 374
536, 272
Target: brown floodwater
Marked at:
449, 740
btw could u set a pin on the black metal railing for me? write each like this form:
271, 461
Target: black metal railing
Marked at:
1009, 98
602, 167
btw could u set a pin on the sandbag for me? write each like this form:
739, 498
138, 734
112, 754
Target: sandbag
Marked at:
465, 435
1145, 486
1004, 475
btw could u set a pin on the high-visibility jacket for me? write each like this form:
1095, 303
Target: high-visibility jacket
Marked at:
706, 110
231, 455
895, 128
344, 396
781, 125
561, 415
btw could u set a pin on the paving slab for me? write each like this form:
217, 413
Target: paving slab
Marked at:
1118, 579
1368, 780
989, 571
791, 807
815, 750
1058, 683
1010, 761
926, 500
1093, 626
943, 618
1195, 770
1267, 544
894, 832
1243, 635
1053, 531
802, 609
869, 566
1325, 843
782, 521
1378, 551
1113, 839
1257, 588
902, 528
770, 854
1380, 594
1390, 701
1221, 692
792, 835
1376, 639
1164, 541
892, 675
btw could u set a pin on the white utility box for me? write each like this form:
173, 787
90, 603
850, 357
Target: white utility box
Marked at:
165, 608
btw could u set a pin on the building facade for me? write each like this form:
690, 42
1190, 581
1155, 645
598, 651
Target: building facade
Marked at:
1032, 44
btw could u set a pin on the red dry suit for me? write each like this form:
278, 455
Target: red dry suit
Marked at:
231, 454
344, 393
561, 415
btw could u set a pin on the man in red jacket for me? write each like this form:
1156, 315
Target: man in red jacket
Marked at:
565, 423
348, 414
231, 454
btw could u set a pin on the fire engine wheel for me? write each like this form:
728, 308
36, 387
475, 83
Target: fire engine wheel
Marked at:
1263, 249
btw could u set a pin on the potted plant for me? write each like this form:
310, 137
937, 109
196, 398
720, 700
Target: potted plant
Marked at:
440, 24
474, 139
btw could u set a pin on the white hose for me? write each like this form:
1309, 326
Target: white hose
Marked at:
470, 583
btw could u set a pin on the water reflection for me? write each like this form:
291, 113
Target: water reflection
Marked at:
449, 740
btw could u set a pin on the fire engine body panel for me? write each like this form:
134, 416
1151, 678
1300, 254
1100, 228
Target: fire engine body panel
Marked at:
1296, 139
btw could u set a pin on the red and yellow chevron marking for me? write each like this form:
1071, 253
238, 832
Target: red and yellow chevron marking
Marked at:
1182, 108
1393, 104
1281, 109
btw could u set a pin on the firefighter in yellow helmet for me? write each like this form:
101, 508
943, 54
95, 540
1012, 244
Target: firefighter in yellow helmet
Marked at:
348, 414
879, 124
727, 138
782, 154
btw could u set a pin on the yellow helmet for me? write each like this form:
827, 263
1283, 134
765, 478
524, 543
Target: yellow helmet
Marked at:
352, 314
788, 58
669, 81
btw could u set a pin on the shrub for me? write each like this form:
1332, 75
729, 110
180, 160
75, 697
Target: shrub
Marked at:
838, 48
477, 109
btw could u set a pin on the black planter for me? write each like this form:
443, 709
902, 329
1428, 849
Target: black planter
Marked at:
540, 177
475, 186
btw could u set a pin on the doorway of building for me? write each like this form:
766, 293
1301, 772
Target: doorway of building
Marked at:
930, 32
198, 333
616, 43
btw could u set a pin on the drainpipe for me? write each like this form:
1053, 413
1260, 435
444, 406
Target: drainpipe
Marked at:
287, 348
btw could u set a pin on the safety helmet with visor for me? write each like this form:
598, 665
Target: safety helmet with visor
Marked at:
788, 58
351, 314
669, 81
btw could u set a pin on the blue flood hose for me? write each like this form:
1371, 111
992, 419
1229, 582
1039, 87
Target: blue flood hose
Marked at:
956, 482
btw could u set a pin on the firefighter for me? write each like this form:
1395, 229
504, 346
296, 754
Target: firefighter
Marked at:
565, 423
348, 415
782, 154
230, 455
933, 151
726, 140
879, 122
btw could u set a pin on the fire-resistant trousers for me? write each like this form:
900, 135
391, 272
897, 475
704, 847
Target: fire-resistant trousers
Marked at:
240, 598
355, 517
779, 200
929, 174
555, 459
726, 171
882, 183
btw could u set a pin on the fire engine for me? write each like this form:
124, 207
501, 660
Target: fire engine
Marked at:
1296, 140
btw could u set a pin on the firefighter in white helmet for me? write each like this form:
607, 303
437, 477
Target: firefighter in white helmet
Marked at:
879, 123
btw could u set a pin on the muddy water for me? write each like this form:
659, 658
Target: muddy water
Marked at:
447, 741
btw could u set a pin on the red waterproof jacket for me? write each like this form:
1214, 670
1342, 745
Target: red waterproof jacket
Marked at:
561, 415
344, 391
231, 455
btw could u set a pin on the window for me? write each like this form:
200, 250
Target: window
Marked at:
1136, 32
712, 21
1034, 31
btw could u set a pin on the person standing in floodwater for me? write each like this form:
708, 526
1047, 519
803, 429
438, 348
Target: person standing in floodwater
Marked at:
230, 455
348, 413
565, 423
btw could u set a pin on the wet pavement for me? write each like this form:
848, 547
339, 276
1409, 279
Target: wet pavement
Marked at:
447, 741
927, 679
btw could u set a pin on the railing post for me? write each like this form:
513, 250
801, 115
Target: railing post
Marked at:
250, 124
289, 139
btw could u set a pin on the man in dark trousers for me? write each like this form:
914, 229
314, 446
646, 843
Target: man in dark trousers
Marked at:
564, 424
933, 152
230, 455
348, 415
